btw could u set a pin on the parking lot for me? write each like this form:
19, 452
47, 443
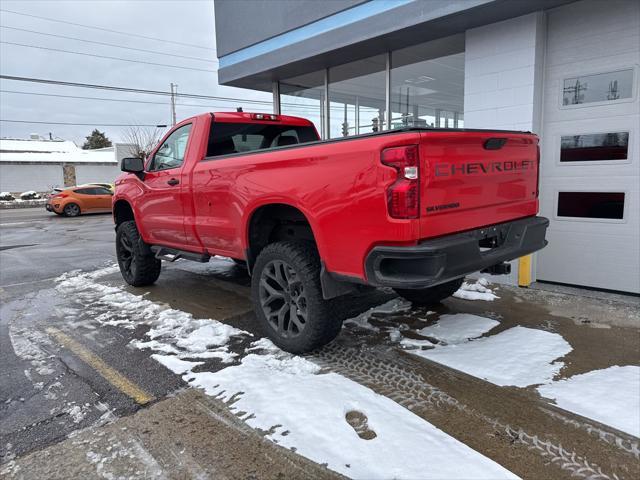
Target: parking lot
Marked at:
176, 381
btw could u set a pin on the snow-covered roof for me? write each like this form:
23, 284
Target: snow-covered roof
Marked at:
18, 150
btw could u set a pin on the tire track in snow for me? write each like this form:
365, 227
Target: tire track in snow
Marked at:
627, 445
410, 390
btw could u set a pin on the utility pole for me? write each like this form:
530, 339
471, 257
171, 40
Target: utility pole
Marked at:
174, 94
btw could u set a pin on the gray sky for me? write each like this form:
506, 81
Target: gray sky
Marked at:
182, 21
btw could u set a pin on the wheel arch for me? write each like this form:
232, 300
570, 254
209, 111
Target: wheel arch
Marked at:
122, 212
270, 222
277, 221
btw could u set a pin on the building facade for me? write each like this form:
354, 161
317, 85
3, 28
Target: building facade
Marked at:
566, 70
41, 165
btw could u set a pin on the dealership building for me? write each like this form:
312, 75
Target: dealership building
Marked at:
566, 70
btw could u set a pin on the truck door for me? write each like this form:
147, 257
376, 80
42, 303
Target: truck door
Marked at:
161, 207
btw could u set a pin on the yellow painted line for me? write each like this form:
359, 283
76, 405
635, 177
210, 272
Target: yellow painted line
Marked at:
524, 271
111, 375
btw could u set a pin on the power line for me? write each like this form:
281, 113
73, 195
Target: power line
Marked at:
157, 39
108, 44
84, 124
127, 89
105, 56
124, 100
145, 91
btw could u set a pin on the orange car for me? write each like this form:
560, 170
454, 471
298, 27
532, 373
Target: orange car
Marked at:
73, 201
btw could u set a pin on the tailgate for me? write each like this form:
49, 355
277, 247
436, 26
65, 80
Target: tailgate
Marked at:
471, 179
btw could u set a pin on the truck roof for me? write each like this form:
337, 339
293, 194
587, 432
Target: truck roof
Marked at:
249, 117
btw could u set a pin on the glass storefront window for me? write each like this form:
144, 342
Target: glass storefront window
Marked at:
594, 147
600, 87
427, 85
357, 94
303, 96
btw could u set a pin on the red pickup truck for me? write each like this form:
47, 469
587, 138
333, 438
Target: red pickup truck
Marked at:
415, 209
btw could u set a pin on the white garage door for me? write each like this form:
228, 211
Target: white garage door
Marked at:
590, 172
21, 177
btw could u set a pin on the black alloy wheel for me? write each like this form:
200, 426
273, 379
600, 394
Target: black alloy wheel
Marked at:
282, 299
138, 268
126, 257
287, 297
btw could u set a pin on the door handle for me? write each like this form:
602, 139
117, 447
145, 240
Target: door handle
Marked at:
173, 181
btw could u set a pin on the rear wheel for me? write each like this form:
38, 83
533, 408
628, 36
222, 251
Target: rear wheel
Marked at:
71, 210
288, 300
431, 295
137, 268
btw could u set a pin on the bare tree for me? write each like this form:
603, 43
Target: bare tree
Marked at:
141, 140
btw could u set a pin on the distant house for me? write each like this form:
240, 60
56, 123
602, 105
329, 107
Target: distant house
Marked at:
40, 165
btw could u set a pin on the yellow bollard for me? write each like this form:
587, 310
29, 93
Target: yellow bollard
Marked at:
524, 271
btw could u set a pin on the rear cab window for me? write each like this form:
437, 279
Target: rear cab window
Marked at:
231, 138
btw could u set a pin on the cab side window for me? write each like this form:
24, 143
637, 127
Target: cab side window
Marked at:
171, 152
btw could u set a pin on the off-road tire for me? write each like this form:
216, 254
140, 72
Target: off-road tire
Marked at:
137, 268
71, 210
431, 295
321, 326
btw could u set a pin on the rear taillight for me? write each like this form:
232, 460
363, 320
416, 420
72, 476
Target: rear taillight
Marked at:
403, 196
538, 172
61, 195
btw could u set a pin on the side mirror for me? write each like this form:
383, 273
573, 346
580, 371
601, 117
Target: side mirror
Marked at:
132, 165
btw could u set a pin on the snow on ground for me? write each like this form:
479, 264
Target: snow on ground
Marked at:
174, 364
172, 331
299, 406
610, 396
304, 409
522, 356
393, 306
476, 291
458, 327
519, 356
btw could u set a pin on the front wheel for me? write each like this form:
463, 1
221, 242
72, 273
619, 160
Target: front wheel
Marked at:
137, 269
431, 295
287, 297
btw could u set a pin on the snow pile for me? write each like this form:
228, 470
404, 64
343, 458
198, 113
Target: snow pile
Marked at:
393, 306
519, 356
415, 343
303, 409
476, 291
172, 331
610, 396
215, 265
29, 195
458, 328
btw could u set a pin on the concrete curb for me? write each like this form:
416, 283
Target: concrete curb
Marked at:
24, 204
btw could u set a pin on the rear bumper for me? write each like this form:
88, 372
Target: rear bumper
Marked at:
439, 260
50, 207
